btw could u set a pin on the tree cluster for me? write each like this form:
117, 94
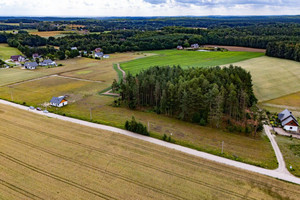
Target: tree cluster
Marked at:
136, 127
287, 50
199, 95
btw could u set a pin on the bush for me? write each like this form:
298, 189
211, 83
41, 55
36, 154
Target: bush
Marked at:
136, 127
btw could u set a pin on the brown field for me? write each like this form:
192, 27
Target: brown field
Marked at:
236, 48
48, 33
69, 161
290, 100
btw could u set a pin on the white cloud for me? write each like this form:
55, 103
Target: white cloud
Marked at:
147, 7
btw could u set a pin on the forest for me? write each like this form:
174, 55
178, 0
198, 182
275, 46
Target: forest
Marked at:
213, 95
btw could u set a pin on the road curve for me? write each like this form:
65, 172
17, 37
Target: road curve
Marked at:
278, 173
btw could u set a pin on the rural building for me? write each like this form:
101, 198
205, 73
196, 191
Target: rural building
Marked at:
18, 58
98, 49
48, 62
288, 121
106, 56
98, 54
179, 48
195, 46
58, 101
35, 56
73, 48
30, 65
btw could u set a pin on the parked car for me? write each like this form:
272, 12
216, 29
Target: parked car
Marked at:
45, 111
38, 109
31, 107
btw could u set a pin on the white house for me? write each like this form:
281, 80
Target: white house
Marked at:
48, 62
58, 101
195, 46
30, 65
288, 121
98, 54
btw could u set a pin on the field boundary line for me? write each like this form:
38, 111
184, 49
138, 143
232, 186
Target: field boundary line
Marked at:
226, 161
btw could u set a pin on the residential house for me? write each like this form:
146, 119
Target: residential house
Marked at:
30, 65
98, 54
73, 48
195, 46
18, 58
179, 47
98, 49
35, 56
58, 101
48, 62
288, 121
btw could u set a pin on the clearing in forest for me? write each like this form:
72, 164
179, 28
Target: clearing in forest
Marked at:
6, 52
187, 59
69, 161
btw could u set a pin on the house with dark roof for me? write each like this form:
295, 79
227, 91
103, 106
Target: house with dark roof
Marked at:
48, 62
288, 121
58, 101
30, 65
98, 49
18, 58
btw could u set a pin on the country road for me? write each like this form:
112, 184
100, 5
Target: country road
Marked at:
279, 173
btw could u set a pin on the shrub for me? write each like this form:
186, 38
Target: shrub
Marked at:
136, 127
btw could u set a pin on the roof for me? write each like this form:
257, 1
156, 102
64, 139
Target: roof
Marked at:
286, 116
287, 120
31, 64
15, 57
48, 61
99, 53
57, 100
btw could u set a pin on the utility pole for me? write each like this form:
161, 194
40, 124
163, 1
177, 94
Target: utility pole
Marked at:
222, 146
91, 114
148, 127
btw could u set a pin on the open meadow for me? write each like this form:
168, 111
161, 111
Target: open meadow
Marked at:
6, 52
273, 77
69, 161
187, 59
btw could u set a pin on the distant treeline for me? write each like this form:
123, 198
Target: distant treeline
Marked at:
287, 50
257, 36
198, 95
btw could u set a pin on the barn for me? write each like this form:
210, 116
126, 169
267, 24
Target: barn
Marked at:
288, 121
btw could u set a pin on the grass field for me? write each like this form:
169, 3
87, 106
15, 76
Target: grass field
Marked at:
273, 77
187, 58
69, 161
6, 51
290, 148
8, 76
292, 100
83, 96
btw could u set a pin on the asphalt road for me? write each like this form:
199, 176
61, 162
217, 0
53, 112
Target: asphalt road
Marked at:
280, 173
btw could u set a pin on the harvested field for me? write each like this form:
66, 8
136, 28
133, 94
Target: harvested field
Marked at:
272, 77
49, 33
69, 161
292, 100
236, 48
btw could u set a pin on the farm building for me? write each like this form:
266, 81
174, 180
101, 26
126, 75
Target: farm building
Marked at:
58, 101
288, 121
179, 48
48, 62
30, 65
195, 46
98, 54
18, 58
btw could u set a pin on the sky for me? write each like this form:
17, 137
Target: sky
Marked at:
99, 8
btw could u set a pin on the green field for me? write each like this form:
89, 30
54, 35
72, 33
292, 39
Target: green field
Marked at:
47, 158
273, 77
8, 76
187, 58
6, 51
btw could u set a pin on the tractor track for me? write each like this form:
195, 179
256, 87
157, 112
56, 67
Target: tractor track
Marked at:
160, 153
20, 190
89, 166
127, 159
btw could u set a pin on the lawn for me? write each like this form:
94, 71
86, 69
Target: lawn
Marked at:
273, 77
6, 52
290, 148
187, 59
69, 161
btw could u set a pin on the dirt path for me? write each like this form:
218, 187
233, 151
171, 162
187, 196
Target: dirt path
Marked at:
236, 48
78, 79
279, 173
108, 92
281, 106
123, 72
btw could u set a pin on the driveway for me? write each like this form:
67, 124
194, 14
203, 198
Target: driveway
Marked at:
280, 173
